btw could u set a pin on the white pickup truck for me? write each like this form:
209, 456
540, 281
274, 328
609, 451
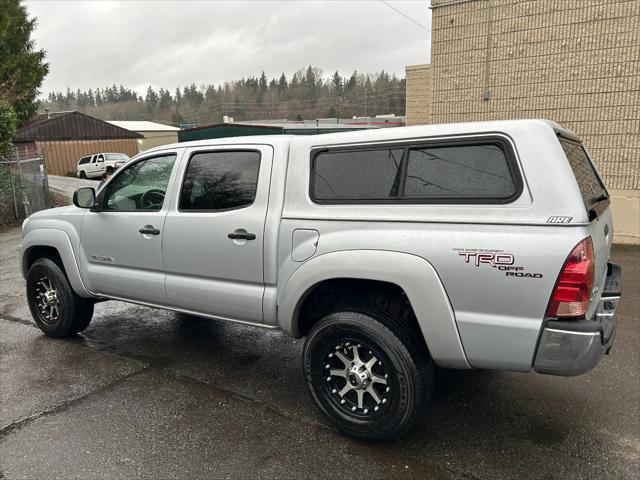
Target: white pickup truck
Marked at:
478, 245
94, 166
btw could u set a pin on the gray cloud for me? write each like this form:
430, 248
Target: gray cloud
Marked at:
172, 43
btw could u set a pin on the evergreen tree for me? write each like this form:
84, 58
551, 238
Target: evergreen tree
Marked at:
336, 83
176, 118
283, 85
262, 83
165, 100
306, 95
8, 123
151, 99
22, 68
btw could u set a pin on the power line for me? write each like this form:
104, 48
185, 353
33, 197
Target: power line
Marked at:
406, 16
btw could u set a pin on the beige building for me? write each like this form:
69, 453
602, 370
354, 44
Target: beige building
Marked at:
155, 134
576, 62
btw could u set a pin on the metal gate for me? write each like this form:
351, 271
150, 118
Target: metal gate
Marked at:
24, 188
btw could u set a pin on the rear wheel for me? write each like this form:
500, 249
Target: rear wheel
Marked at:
109, 170
367, 374
54, 306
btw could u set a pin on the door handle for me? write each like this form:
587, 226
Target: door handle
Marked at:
242, 236
149, 230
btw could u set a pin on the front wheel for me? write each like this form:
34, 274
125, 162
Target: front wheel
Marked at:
54, 306
82, 174
367, 373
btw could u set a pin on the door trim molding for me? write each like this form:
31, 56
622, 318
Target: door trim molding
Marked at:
189, 312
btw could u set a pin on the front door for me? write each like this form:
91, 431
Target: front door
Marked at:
121, 243
99, 165
214, 234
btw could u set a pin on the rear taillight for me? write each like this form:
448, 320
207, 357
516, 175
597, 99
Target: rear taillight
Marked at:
571, 296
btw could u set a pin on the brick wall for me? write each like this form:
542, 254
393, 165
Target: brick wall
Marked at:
420, 84
573, 61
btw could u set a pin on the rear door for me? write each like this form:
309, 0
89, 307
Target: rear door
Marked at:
596, 202
214, 233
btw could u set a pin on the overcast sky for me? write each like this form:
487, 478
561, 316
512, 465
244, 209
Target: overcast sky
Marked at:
172, 43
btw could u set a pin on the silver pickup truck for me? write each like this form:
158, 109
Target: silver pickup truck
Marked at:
477, 245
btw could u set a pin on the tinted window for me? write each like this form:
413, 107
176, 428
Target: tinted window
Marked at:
477, 171
220, 181
84, 160
140, 186
357, 175
117, 156
591, 188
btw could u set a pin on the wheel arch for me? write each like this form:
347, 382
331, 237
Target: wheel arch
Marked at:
55, 245
413, 275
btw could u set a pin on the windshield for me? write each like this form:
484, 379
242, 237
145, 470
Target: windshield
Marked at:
117, 157
591, 187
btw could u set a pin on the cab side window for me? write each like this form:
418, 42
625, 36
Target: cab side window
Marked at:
100, 158
222, 180
139, 187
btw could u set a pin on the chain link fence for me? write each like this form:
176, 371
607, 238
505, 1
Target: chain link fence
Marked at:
24, 187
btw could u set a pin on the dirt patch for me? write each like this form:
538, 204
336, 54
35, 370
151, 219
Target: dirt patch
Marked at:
58, 200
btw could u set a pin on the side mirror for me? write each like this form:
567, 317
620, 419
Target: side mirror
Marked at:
84, 197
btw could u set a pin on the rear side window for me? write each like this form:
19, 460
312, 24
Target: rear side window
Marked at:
471, 171
84, 160
364, 175
474, 171
222, 180
118, 157
591, 188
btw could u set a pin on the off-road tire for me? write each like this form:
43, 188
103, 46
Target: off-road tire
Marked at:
409, 371
74, 312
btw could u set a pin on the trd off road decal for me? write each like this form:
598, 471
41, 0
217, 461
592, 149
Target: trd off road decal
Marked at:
498, 259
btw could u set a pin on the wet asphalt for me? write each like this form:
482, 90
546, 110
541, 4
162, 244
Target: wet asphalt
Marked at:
145, 393
67, 185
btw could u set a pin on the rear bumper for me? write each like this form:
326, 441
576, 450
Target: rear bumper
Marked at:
573, 347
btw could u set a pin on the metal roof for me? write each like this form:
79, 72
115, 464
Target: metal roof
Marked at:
70, 126
295, 125
143, 126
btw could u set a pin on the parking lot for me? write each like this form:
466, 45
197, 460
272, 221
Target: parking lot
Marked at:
146, 393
